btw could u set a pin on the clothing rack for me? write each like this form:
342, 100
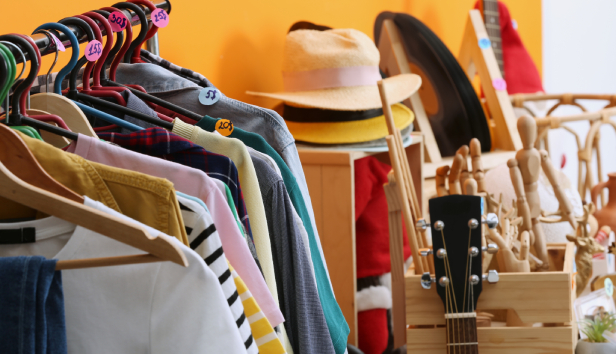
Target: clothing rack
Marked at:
42, 41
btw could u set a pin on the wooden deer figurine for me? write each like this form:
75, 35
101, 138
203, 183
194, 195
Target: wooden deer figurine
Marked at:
587, 246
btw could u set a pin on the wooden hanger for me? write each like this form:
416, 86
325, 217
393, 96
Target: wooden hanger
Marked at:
23, 180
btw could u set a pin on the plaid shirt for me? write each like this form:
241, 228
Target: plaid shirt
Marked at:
161, 143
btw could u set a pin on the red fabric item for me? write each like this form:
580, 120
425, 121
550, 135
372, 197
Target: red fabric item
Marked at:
521, 74
372, 331
371, 219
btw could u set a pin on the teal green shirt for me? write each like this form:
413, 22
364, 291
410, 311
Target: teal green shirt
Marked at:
336, 323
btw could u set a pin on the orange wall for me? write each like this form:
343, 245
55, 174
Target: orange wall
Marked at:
238, 44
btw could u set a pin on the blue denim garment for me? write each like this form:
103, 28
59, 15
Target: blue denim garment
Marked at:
164, 81
31, 306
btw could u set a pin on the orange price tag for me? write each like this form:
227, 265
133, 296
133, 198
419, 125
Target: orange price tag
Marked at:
224, 127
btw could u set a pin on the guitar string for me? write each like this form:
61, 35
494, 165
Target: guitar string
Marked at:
449, 305
450, 285
466, 277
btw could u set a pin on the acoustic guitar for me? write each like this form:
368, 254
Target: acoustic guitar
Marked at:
456, 239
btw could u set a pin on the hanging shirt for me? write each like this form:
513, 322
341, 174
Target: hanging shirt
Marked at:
182, 86
196, 183
299, 300
236, 150
140, 308
298, 221
204, 240
161, 143
122, 190
338, 327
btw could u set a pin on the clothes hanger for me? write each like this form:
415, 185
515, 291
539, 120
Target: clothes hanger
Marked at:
9, 79
135, 89
89, 18
75, 95
74, 69
136, 53
56, 104
52, 118
16, 117
24, 181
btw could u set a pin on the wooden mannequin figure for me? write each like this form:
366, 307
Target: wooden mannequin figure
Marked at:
525, 170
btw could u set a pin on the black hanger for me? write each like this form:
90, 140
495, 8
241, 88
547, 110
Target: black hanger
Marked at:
142, 95
113, 51
78, 96
16, 117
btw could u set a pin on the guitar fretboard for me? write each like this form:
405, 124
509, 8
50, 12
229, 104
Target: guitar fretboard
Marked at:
492, 20
462, 334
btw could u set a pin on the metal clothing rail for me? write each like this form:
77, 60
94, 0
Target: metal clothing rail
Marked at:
42, 41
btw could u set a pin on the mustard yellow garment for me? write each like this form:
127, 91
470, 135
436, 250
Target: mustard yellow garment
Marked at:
147, 199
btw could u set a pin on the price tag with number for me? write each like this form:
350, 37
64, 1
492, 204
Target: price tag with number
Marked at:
224, 127
58, 43
208, 96
609, 287
118, 21
94, 49
160, 18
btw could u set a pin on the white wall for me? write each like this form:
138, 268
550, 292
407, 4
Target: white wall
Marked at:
579, 56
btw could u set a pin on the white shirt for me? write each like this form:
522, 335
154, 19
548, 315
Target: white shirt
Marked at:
141, 308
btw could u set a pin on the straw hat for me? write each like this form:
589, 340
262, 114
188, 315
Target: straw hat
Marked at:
338, 70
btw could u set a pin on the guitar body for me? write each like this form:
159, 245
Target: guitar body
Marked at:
517, 67
452, 106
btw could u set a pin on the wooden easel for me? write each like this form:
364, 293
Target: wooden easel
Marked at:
474, 60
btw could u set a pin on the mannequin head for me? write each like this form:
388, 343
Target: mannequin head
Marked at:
527, 127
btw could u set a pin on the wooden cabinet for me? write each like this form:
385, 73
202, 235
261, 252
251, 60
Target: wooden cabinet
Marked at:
330, 177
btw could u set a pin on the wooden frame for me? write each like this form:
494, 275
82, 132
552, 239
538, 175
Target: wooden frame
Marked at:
330, 178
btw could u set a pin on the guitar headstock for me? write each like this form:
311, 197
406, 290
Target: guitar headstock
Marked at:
456, 238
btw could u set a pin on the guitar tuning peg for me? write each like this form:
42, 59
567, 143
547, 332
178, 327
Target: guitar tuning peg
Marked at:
425, 252
491, 220
427, 280
421, 225
492, 248
491, 277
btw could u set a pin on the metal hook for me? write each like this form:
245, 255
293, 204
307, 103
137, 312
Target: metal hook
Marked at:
51, 41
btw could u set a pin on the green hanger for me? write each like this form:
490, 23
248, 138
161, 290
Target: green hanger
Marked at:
12, 69
29, 131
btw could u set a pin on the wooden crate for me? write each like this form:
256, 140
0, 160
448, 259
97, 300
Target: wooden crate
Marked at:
537, 307
330, 178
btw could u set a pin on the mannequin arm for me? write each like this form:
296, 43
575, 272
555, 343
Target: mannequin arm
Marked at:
464, 175
565, 206
518, 186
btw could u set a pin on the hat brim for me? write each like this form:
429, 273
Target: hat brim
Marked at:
350, 132
354, 98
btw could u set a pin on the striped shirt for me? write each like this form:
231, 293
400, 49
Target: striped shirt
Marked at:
262, 330
204, 240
